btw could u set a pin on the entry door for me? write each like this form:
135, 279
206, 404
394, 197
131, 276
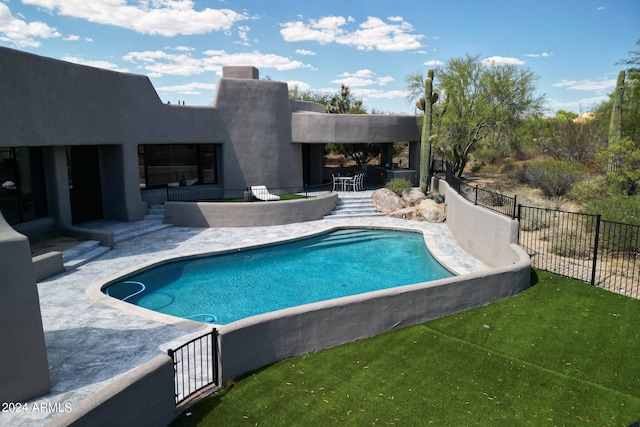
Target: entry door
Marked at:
85, 188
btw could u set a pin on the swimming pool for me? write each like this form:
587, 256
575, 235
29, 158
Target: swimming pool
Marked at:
227, 287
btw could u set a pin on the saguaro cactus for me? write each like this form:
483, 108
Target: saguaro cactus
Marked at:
425, 104
615, 125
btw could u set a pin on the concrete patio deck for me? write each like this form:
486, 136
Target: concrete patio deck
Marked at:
90, 344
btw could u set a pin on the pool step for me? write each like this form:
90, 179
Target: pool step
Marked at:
353, 206
347, 238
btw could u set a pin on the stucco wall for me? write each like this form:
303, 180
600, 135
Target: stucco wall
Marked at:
258, 341
24, 369
353, 128
255, 342
248, 214
485, 234
143, 397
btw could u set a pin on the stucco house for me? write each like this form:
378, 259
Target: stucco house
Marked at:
79, 143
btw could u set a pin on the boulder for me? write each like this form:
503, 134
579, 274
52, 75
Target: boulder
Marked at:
405, 213
431, 211
386, 201
413, 197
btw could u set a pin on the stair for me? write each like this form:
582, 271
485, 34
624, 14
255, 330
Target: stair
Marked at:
122, 231
156, 212
82, 254
354, 205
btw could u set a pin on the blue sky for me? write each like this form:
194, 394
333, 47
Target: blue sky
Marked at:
182, 45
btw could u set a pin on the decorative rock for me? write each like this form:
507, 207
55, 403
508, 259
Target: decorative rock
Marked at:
413, 197
386, 201
431, 211
405, 213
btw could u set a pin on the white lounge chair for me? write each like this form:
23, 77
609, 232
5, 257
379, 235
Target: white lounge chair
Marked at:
260, 192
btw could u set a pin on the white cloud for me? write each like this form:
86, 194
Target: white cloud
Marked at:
537, 55
324, 30
243, 34
98, 64
433, 62
378, 94
588, 85
194, 88
362, 78
305, 52
158, 63
496, 61
21, 33
72, 38
579, 106
302, 86
373, 34
164, 17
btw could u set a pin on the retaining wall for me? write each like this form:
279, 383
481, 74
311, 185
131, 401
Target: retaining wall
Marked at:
248, 214
255, 342
143, 397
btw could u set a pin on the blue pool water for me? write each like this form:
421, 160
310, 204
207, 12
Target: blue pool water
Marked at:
228, 287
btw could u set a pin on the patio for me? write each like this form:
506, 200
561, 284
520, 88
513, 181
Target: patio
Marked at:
90, 345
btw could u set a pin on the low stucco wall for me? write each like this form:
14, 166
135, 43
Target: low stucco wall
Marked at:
485, 234
24, 368
255, 342
144, 397
248, 214
48, 265
252, 343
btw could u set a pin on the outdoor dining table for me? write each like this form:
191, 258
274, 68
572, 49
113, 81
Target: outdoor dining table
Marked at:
342, 181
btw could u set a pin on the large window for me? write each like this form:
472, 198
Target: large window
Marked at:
23, 195
177, 165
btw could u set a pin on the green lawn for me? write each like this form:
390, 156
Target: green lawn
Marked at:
562, 353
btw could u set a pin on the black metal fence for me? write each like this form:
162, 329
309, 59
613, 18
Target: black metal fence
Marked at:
196, 366
197, 193
489, 199
576, 245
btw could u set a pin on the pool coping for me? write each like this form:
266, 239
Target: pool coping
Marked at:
95, 290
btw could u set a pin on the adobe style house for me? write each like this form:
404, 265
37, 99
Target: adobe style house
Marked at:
79, 143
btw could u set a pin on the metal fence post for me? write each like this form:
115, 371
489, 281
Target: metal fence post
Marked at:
475, 202
595, 250
515, 203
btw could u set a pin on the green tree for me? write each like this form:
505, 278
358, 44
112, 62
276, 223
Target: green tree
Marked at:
414, 84
566, 137
345, 103
308, 95
482, 102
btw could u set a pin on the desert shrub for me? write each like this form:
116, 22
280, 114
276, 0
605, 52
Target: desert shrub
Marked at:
477, 166
487, 155
554, 177
624, 209
436, 197
514, 171
398, 185
493, 197
572, 244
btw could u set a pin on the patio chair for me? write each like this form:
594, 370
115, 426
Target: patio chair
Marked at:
338, 184
260, 192
354, 183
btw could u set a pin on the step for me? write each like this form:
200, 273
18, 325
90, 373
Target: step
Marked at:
143, 229
156, 212
84, 257
79, 250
